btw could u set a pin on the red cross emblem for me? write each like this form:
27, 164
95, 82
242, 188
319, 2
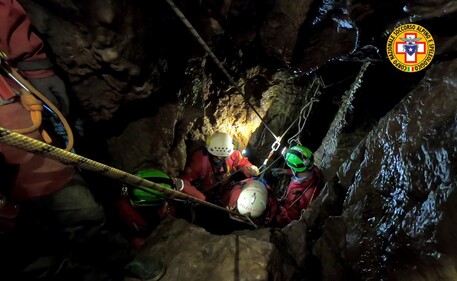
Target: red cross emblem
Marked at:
410, 48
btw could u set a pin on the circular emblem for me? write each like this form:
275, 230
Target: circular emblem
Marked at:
410, 48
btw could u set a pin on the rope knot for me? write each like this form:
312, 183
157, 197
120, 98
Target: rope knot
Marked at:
30, 102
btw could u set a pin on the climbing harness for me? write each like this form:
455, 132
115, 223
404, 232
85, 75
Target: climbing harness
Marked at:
27, 95
34, 146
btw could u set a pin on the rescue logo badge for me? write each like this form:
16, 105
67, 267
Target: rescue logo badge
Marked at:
410, 48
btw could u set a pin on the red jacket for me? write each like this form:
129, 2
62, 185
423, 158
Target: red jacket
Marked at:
36, 175
201, 173
298, 196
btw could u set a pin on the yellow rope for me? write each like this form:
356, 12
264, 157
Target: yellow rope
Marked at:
34, 146
27, 87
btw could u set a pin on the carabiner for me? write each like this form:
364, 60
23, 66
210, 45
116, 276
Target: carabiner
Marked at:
276, 145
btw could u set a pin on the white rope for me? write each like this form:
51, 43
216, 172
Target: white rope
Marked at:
305, 111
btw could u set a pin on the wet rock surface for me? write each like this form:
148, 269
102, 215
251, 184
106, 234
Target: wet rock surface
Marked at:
387, 147
192, 253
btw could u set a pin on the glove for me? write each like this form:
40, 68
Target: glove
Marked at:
250, 171
276, 172
254, 171
53, 88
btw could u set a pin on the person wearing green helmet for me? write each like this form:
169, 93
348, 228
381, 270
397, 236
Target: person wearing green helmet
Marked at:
60, 229
304, 186
299, 158
148, 197
142, 209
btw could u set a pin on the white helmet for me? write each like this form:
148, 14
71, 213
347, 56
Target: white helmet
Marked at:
252, 199
220, 145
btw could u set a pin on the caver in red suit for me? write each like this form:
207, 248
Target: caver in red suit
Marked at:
216, 163
141, 210
302, 189
58, 216
25, 49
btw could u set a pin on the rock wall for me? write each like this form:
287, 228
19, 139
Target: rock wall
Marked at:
148, 92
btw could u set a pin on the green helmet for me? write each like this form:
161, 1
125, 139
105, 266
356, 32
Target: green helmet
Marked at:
151, 197
299, 158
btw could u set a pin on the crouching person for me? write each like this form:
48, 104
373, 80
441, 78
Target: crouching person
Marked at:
214, 167
142, 209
